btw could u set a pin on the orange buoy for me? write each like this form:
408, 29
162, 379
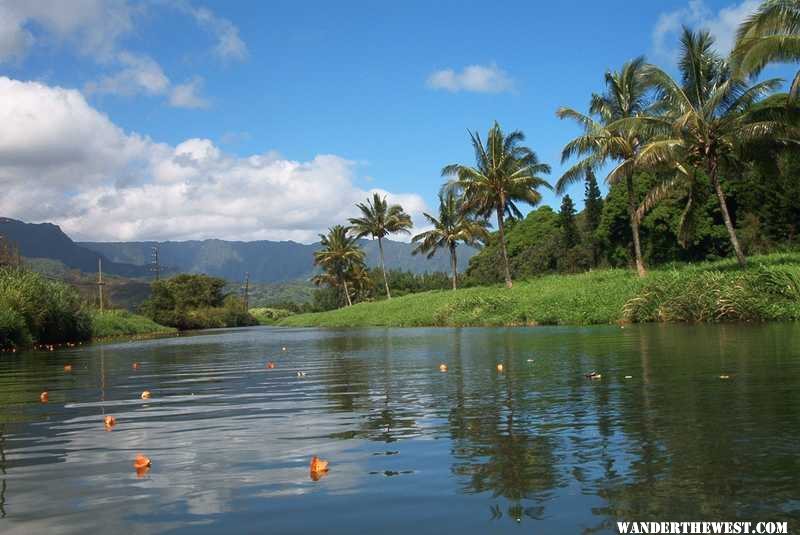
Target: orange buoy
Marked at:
500, 368
141, 464
270, 365
109, 422
442, 367
317, 468
146, 394
135, 365
44, 397
67, 368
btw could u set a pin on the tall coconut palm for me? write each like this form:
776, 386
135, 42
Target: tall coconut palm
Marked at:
338, 255
708, 118
453, 226
505, 172
606, 138
770, 35
379, 219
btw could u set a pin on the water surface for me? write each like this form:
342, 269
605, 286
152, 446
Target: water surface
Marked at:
537, 448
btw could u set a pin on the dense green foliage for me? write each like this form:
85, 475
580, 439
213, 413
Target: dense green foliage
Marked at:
34, 309
767, 290
195, 302
123, 323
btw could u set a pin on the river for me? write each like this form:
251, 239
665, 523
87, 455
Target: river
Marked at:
686, 423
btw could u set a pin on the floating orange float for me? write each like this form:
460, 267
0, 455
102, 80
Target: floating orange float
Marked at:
67, 368
135, 365
500, 368
318, 468
146, 394
270, 365
109, 422
141, 464
44, 397
442, 367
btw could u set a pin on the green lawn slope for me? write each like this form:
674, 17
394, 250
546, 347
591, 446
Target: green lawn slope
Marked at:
768, 290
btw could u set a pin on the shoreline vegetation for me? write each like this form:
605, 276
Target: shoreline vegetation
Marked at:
767, 290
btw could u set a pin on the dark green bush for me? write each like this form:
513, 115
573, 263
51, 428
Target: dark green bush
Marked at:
189, 302
52, 311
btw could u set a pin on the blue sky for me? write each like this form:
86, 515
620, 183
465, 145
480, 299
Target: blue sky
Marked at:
380, 85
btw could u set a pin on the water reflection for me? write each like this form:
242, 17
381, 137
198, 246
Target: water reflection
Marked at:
410, 447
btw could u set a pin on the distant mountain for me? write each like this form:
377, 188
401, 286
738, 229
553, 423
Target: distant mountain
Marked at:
45, 240
266, 261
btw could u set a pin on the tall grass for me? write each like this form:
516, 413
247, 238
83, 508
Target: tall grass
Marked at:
34, 309
713, 291
122, 323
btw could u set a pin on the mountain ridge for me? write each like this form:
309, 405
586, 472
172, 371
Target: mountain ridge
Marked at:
266, 261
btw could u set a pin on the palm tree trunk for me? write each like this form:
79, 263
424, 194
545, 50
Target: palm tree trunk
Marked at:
723, 206
347, 294
501, 208
454, 264
383, 268
637, 247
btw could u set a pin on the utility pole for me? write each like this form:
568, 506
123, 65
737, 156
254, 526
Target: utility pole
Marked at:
100, 283
246, 292
156, 267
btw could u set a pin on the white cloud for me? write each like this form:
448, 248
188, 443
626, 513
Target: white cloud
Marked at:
229, 45
475, 78
63, 161
92, 26
139, 74
697, 15
188, 95
96, 27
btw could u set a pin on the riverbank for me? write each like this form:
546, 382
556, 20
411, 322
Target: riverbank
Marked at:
768, 290
116, 323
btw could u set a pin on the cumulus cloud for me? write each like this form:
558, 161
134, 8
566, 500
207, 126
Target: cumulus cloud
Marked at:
188, 95
474, 78
722, 24
63, 161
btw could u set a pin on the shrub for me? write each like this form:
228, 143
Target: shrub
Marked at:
268, 316
189, 302
13, 330
51, 310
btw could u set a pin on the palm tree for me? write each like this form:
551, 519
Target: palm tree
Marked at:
604, 139
505, 172
770, 35
454, 225
379, 219
708, 119
338, 256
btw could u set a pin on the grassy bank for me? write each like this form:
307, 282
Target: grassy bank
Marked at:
115, 323
768, 290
